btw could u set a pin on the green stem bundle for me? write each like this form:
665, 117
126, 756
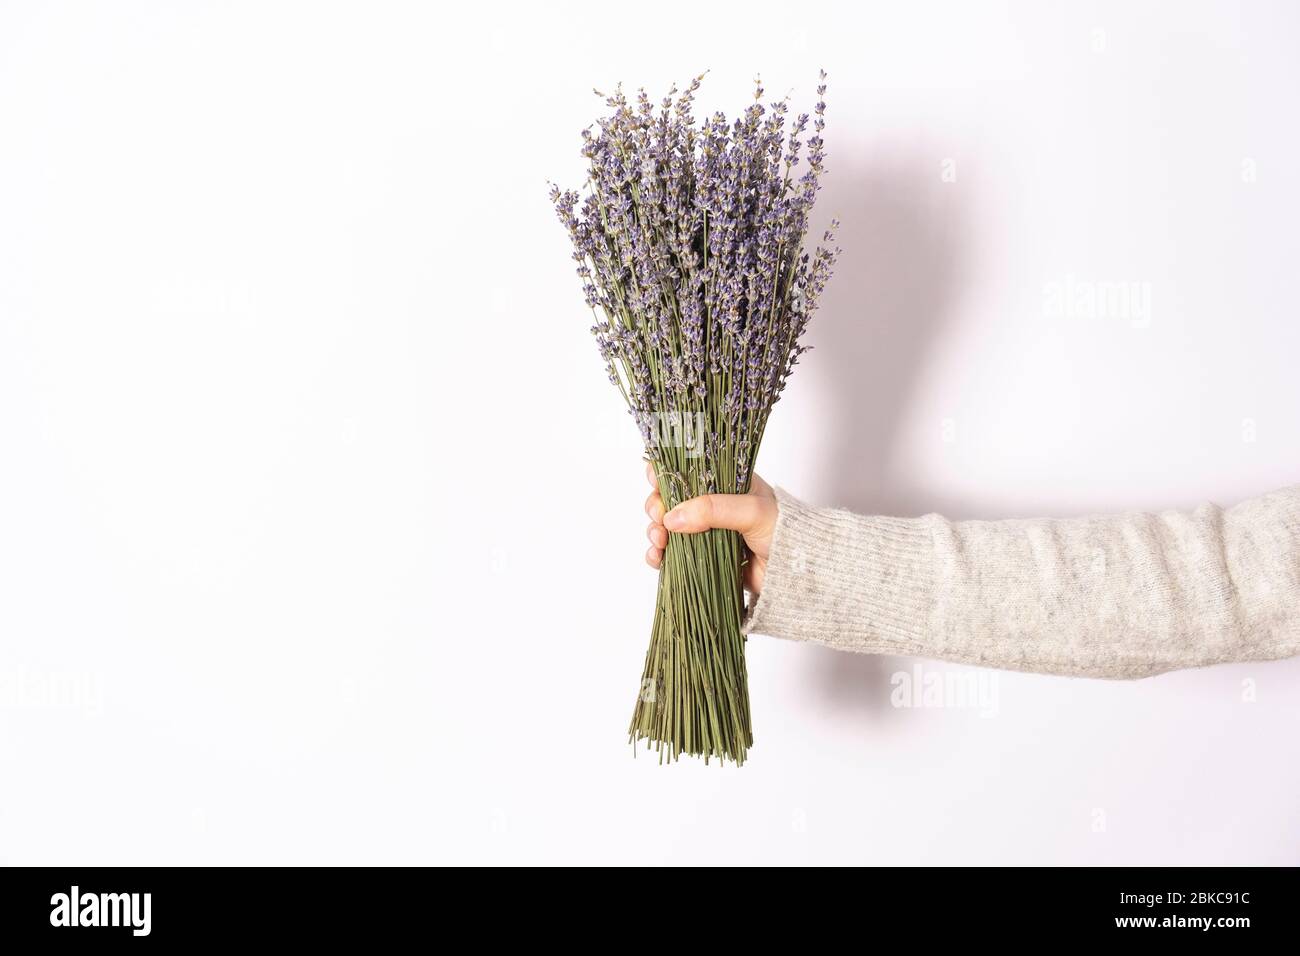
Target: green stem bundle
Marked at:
694, 695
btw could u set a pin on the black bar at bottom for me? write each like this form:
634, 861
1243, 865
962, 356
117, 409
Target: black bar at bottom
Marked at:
357, 905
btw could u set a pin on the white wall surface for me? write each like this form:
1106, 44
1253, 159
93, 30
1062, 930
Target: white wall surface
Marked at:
320, 528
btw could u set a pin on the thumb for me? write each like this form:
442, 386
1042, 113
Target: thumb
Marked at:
741, 513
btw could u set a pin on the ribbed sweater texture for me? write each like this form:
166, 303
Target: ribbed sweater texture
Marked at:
1119, 596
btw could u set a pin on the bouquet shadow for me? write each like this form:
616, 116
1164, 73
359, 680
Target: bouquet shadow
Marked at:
906, 240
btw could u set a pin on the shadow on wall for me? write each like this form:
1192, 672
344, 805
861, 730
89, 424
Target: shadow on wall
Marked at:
908, 242
905, 241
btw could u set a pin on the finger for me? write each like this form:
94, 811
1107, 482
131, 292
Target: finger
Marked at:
654, 507
657, 535
654, 557
650, 474
735, 512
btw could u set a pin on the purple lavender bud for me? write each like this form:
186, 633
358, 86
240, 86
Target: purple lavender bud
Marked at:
689, 239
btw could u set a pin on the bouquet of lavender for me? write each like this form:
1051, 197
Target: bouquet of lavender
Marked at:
690, 246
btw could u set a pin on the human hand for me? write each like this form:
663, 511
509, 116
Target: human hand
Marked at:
753, 515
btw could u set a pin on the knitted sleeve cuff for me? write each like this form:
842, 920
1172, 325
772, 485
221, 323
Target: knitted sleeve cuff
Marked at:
846, 580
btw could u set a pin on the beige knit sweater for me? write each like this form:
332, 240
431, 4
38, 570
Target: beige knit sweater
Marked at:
1116, 596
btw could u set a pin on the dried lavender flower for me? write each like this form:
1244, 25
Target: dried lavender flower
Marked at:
689, 243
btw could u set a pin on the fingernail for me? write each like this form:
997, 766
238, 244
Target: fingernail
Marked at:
674, 520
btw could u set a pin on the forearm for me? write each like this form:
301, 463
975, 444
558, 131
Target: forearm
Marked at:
1110, 596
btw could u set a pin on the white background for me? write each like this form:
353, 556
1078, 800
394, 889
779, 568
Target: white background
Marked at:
320, 528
